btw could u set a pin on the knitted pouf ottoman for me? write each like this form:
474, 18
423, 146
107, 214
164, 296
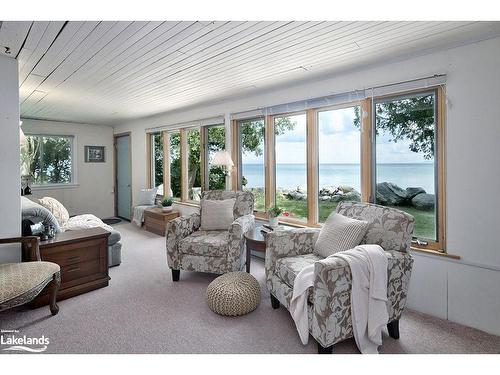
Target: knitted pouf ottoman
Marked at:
233, 294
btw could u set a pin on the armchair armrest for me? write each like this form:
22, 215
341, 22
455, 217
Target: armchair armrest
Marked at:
332, 295
287, 243
236, 240
178, 229
30, 249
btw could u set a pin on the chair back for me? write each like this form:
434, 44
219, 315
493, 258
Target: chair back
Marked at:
243, 204
388, 227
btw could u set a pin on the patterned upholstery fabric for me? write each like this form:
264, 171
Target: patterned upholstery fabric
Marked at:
17, 279
218, 252
289, 267
203, 242
330, 310
388, 227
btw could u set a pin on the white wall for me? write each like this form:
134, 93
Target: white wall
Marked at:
465, 291
93, 192
10, 188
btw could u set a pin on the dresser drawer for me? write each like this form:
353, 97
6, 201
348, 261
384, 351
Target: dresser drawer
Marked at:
79, 270
74, 253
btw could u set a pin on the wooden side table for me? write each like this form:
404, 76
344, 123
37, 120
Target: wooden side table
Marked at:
155, 220
255, 241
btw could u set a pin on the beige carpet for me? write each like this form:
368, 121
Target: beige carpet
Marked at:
143, 311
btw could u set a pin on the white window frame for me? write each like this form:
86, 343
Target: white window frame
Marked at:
74, 173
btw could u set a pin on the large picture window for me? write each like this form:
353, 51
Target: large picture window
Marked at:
48, 159
406, 172
339, 145
386, 150
251, 148
291, 164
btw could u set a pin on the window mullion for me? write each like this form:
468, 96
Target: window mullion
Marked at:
366, 151
184, 165
270, 167
312, 167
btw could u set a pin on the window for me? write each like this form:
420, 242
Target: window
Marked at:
251, 148
291, 164
339, 145
174, 146
194, 164
216, 141
406, 169
157, 162
48, 159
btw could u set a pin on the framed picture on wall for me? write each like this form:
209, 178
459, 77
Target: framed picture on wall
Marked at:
94, 154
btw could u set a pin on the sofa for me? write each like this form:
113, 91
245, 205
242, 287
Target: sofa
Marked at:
329, 306
36, 213
213, 251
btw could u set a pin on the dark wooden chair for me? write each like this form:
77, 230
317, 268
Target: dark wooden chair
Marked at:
21, 282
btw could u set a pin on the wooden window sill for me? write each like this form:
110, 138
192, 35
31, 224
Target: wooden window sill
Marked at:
189, 204
435, 252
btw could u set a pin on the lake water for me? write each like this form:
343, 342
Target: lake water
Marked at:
292, 175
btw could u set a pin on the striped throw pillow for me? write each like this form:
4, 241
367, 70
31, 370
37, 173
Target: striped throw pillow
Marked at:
339, 233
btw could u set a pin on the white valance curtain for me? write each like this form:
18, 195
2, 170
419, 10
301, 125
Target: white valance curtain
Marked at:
217, 120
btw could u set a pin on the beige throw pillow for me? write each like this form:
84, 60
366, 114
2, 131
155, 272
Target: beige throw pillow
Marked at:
339, 233
217, 214
58, 210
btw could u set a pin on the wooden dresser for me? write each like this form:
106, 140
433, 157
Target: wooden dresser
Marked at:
155, 220
83, 257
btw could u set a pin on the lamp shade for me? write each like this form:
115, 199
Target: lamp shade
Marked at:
222, 158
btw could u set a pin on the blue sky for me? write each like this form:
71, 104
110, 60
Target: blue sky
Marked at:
338, 142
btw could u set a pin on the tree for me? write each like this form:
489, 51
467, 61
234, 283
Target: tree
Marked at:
158, 158
47, 159
407, 119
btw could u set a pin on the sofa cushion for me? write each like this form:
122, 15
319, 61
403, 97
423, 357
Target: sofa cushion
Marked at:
17, 279
216, 214
146, 197
339, 233
211, 243
288, 268
58, 210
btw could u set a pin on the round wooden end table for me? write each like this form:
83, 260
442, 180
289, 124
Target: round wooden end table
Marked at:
255, 241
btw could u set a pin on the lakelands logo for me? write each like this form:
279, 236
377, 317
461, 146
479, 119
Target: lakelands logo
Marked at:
11, 341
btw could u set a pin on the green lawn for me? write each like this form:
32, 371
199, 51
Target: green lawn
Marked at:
425, 222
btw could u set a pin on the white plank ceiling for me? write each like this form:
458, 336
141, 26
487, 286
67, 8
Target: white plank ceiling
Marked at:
109, 72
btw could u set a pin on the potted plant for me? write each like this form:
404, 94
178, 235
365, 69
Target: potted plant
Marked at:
273, 213
166, 204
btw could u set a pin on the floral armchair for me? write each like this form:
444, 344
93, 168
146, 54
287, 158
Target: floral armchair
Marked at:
329, 309
214, 251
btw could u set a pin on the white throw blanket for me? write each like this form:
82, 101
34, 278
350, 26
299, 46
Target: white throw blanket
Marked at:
85, 221
368, 265
138, 215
